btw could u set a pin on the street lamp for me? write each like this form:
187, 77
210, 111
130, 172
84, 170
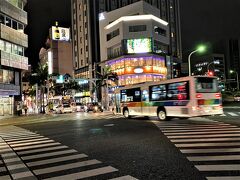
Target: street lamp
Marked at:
231, 71
214, 62
199, 49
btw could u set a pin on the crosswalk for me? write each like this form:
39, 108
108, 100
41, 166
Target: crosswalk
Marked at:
28, 155
213, 147
234, 114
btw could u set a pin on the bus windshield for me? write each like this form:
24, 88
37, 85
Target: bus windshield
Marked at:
206, 85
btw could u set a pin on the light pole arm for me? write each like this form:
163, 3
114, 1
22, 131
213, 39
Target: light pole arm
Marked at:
209, 65
189, 62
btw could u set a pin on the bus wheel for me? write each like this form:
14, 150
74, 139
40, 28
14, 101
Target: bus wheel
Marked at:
126, 114
162, 116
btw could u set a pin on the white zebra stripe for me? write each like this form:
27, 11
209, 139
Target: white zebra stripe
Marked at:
48, 154
214, 158
66, 167
85, 174
54, 160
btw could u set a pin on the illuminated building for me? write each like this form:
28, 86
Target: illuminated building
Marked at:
59, 54
210, 64
135, 46
13, 43
85, 33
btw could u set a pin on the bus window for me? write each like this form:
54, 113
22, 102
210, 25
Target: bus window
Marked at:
158, 92
178, 91
131, 95
145, 95
205, 84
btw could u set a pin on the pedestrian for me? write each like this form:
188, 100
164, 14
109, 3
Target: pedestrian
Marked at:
25, 109
19, 109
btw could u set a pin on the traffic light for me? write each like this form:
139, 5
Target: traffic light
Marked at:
210, 73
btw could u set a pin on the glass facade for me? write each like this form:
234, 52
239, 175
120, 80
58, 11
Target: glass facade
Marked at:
135, 70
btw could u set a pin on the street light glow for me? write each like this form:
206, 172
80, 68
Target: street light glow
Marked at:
201, 48
231, 71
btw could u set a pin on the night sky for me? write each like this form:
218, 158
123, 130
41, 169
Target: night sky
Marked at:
205, 21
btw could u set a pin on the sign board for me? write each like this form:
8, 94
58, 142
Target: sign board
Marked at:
60, 33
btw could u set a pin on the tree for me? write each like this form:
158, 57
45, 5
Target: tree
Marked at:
40, 78
107, 74
103, 81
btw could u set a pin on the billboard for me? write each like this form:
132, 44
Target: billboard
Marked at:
143, 45
60, 33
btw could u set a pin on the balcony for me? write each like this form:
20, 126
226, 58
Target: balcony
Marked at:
13, 60
13, 35
14, 12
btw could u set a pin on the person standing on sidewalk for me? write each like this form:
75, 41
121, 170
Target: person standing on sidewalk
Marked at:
25, 109
19, 108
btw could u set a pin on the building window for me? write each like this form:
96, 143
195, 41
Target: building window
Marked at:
8, 47
160, 31
112, 34
8, 22
86, 48
2, 45
14, 25
2, 19
81, 62
137, 28
80, 39
5, 76
81, 50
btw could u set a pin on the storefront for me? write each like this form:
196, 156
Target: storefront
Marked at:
133, 70
6, 105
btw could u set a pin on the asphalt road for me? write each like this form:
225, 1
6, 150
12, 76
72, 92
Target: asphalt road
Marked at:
140, 148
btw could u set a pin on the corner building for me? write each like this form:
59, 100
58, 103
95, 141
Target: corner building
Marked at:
86, 40
13, 42
134, 43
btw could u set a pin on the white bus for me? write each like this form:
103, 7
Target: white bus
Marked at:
180, 97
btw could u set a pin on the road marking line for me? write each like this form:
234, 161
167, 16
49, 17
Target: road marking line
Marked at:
36, 146
16, 166
193, 127
5, 155
85, 174
66, 167
223, 115
24, 138
208, 144
205, 136
15, 159
48, 154
124, 178
221, 167
224, 178
204, 140
232, 114
31, 143
41, 150
20, 137
214, 158
199, 130
23, 175
2, 169
193, 133
30, 140
198, 151
5, 177
54, 160
7, 135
